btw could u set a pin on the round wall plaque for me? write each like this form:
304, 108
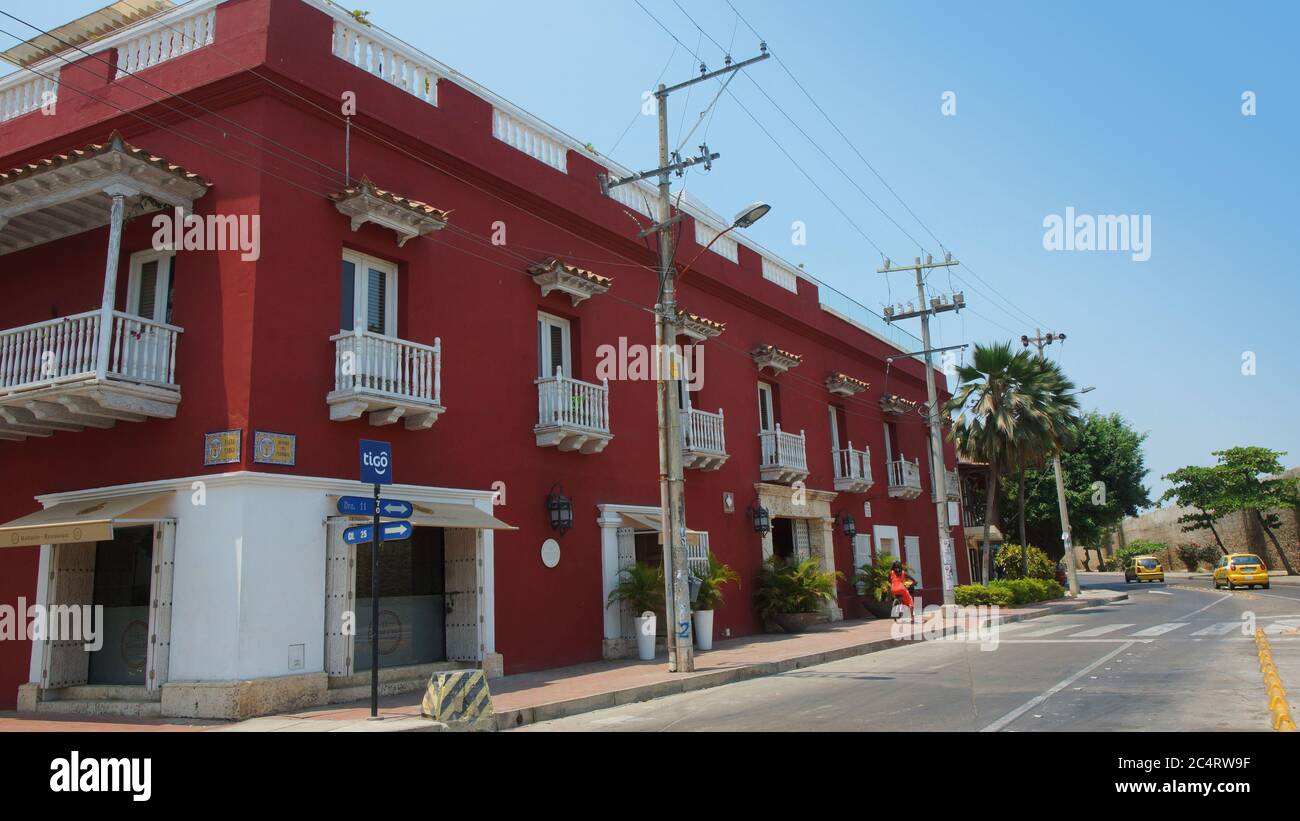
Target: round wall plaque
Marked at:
550, 553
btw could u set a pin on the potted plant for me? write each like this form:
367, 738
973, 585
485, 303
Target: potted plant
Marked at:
641, 588
708, 598
791, 593
872, 582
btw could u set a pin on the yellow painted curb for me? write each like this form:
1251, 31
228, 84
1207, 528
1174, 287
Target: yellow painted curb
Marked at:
1277, 704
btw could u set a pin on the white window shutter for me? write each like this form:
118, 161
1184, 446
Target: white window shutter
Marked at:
912, 556
160, 605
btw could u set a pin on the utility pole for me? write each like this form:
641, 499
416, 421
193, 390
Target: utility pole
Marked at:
938, 472
1067, 541
677, 602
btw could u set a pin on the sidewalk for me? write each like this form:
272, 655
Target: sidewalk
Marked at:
526, 698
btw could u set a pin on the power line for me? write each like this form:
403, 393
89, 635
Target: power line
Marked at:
876, 173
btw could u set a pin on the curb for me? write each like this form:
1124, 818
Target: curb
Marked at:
511, 719
1277, 704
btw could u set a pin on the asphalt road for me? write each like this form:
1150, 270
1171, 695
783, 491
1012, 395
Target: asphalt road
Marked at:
1175, 656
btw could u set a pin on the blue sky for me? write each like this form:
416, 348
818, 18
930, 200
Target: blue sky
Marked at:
1106, 107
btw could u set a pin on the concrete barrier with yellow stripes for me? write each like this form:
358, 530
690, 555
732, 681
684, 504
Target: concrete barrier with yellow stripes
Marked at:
1277, 703
459, 698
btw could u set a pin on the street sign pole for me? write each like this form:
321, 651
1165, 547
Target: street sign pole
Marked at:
376, 469
374, 612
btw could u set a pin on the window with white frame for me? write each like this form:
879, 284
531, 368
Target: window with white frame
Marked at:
766, 410
553, 352
369, 295
149, 286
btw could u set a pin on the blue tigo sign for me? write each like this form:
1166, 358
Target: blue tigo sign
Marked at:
389, 532
376, 462
362, 506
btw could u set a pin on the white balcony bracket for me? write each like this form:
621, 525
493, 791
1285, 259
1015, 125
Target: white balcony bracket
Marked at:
579, 284
841, 384
364, 202
775, 359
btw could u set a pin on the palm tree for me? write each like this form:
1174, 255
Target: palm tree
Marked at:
1012, 408
1053, 430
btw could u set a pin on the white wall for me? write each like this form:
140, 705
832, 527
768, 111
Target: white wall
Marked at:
250, 568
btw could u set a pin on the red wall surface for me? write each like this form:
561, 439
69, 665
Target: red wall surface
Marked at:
256, 353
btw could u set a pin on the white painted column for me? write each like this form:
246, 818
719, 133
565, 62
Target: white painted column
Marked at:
609, 523
119, 193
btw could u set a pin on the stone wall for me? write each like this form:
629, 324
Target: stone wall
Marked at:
1240, 533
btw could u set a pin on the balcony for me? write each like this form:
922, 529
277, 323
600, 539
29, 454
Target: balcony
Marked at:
60, 375
951, 487
904, 479
784, 457
572, 414
705, 446
387, 378
852, 470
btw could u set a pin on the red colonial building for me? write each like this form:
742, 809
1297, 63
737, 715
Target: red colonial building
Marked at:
239, 237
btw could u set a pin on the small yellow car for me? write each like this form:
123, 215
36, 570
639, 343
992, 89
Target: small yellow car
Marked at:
1144, 569
1240, 569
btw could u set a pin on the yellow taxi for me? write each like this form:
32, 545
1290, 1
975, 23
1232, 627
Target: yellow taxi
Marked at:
1240, 569
1144, 569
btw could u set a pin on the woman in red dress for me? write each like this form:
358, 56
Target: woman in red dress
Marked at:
899, 586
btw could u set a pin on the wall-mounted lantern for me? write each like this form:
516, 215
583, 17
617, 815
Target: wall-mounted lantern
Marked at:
561, 509
761, 518
848, 525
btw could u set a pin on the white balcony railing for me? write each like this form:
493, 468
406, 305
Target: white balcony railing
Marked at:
784, 457
572, 414
705, 439
62, 350
166, 41
385, 365
904, 479
563, 401
852, 469
388, 377
951, 488
386, 58
21, 92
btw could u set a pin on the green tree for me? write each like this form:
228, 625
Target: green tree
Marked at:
1001, 409
1251, 483
1103, 477
1200, 490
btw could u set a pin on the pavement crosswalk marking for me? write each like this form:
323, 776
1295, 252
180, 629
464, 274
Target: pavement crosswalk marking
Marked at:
1100, 631
1046, 631
1284, 627
1161, 629
1223, 628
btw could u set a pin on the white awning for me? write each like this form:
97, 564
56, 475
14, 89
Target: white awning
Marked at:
654, 521
69, 522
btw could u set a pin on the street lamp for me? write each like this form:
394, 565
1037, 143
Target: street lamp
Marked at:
748, 215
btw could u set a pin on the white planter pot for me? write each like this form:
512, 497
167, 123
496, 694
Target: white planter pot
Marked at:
645, 635
704, 629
